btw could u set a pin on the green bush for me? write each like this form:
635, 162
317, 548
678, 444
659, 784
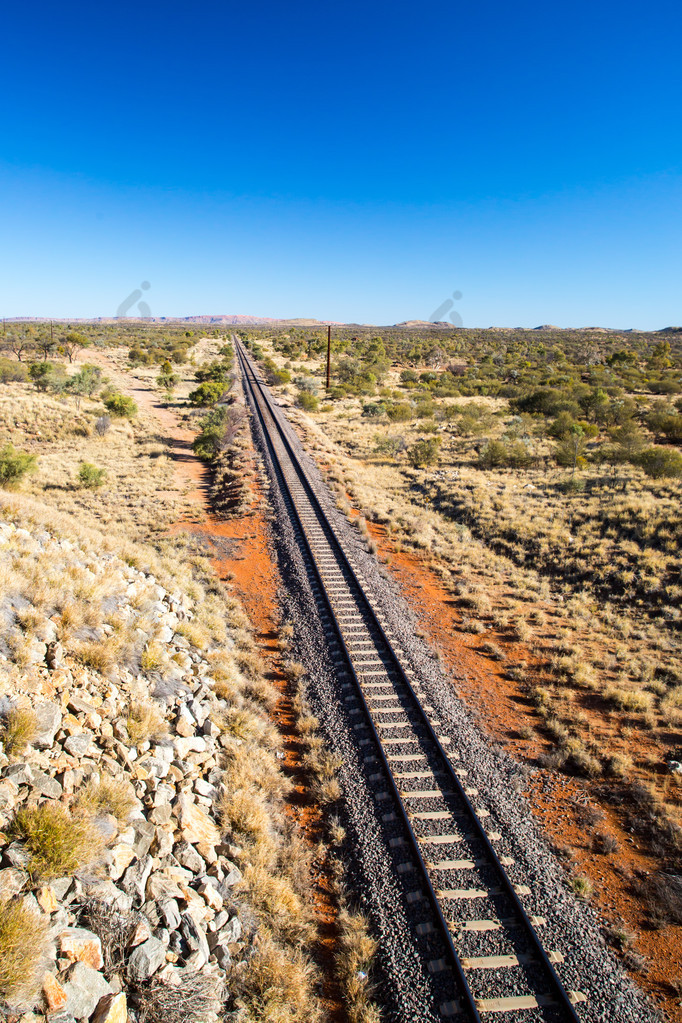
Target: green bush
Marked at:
307, 401
47, 376
424, 452
90, 476
661, 462
207, 393
216, 371
208, 443
121, 406
400, 412
14, 465
11, 370
493, 455
373, 409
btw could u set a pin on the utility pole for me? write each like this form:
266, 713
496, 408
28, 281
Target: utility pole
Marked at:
329, 355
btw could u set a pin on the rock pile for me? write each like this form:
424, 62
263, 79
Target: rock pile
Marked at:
137, 755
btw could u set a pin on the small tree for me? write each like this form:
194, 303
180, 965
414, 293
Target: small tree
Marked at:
84, 383
18, 346
71, 344
121, 406
90, 476
14, 465
570, 452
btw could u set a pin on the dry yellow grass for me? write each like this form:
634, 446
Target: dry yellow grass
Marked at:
59, 842
24, 940
17, 730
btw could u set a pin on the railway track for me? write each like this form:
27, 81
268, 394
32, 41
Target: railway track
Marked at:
482, 949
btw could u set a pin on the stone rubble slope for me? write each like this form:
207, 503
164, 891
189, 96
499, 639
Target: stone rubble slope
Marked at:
163, 906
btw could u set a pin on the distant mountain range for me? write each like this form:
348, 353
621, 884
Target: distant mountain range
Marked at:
234, 319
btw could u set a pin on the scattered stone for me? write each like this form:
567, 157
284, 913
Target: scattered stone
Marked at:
111, 1009
195, 825
48, 722
78, 745
54, 994
84, 988
47, 899
81, 945
146, 960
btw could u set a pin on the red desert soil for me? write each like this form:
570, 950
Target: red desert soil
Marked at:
241, 555
559, 803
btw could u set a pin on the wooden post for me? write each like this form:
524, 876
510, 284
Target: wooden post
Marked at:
329, 355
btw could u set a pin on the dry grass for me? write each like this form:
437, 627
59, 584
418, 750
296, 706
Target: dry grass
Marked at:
275, 987
353, 963
144, 721
109, 795
17, 731
24, 940
59, 843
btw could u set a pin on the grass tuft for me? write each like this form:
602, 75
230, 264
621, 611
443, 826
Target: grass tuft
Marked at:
23, 944
60, 843
18, 730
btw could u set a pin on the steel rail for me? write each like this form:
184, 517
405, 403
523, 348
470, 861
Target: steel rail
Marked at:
562, 996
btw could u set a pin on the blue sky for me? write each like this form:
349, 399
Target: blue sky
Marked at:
358, 162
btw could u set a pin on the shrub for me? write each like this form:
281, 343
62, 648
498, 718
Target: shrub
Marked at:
121, 406
24, 938
373, 409
207, 393
423, 452
102, 425
47, 376
18, 730
278, 377
14, 465
493, 455
661, 462
307, 401
401, 412
59, 842
10, 370
216, 372
90, 476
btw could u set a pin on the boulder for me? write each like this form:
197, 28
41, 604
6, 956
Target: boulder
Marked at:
82, 946
54, 994
78, 745
195, 825
84, 988
111, 1009
146, 959
46, 785
48, 722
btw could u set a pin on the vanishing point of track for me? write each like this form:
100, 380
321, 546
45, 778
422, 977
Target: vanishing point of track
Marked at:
436, 821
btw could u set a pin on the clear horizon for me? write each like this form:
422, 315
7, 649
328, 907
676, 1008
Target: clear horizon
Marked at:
511, 166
